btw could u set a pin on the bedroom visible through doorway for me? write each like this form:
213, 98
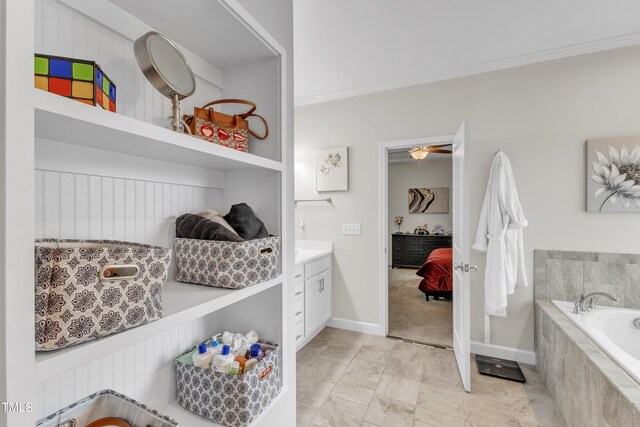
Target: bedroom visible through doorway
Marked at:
419, 216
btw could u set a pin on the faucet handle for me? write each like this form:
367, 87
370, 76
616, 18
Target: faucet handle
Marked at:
576, 307
592, 303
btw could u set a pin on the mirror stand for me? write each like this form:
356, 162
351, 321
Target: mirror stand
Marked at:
176, 122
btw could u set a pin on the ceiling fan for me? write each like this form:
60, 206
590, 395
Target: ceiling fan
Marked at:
420, 152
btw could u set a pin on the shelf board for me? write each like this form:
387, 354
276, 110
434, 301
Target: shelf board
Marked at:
65, 120
182, 302
186, 418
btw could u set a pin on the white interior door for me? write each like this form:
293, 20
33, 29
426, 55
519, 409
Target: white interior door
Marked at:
461, 254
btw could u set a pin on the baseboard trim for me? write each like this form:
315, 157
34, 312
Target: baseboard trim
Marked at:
509, 353
352, 325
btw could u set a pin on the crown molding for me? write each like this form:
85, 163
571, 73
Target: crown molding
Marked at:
483, 67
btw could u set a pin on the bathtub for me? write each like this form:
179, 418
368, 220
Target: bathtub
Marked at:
613, 330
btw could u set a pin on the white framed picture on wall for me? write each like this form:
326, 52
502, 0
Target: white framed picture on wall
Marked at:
613, 175
332, 169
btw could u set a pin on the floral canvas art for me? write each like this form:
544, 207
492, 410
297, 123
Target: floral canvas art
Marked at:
332, 169
613, 175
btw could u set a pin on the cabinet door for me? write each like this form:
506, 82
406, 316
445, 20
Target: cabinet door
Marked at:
325, 296
312, 305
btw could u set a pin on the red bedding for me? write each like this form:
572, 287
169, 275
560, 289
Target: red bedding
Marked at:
437, 271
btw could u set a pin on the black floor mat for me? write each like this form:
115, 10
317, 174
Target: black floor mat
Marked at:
501, 368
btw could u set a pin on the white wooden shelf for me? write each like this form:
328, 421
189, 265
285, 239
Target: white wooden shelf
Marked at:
61, 119
182, 303
186, 418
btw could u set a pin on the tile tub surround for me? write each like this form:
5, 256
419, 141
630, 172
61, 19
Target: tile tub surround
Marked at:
564, 275
588, 386
382, 382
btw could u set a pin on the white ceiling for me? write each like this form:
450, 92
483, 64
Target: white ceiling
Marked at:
351, 47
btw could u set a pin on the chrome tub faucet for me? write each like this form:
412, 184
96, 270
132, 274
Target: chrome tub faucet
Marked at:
587, 302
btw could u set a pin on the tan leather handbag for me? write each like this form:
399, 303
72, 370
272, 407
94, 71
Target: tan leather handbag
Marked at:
224, 129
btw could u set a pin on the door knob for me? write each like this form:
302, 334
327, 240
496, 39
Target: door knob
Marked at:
473, 267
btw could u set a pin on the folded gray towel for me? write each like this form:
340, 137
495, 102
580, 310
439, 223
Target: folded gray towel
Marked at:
246, 223
190, 226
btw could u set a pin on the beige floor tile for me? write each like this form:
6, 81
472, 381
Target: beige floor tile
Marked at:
440, 399
313, 391
310, 353
324, 369
404, 369
337, 412
491, 387
373, 354
411, 352
482, 411
355, 389
305, 413
442, 374
340, 353
398, 388
364, 369
441, 420
380, 342
350, 339
386, 412
442, 354
538, 407
436, 406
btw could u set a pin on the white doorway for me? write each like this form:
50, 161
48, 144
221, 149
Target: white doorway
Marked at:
460, 244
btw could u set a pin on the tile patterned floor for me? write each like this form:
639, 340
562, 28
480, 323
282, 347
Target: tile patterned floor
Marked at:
350, 379
407, 304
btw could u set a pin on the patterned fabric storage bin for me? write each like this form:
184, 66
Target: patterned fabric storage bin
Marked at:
86, 289
227, 264
103, 404
230, 400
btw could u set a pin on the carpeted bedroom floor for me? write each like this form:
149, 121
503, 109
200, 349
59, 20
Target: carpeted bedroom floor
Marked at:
412, 317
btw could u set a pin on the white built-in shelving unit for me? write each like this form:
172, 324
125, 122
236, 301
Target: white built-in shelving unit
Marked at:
77, 171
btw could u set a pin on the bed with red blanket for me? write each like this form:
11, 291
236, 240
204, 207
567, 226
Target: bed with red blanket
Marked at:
437, 274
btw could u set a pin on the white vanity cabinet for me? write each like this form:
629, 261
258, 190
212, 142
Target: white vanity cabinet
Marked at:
312, 297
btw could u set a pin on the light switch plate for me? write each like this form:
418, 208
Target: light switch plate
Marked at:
351, 228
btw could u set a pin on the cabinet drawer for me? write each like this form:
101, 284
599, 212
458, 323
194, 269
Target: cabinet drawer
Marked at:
298, 307
317, 267
299, 331
299, 319
299, 292
299, 274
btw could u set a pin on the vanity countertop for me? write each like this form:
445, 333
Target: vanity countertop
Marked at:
310, 250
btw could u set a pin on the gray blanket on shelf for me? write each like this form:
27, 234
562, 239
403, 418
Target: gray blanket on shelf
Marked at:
246, 223
190, 226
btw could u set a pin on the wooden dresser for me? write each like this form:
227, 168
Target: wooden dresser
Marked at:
411, 250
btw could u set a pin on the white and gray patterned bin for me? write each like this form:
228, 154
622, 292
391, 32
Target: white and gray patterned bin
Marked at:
86, 289
103, 404
230, 400
231, 265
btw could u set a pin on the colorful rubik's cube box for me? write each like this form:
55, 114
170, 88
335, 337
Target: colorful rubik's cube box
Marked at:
77, 79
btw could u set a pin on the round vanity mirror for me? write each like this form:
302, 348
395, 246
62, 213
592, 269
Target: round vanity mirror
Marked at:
167, 70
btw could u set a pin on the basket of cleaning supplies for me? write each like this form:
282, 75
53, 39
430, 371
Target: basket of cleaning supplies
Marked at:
107, 405
87, 289
227, 389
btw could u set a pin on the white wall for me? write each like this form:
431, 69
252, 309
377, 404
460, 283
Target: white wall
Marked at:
430, 173
540, 115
